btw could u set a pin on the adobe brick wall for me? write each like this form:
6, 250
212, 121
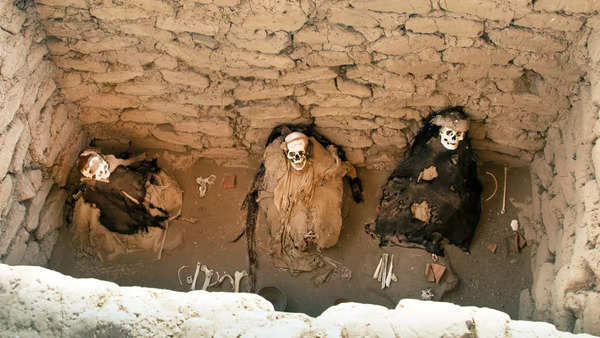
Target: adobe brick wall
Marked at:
39, 138
213, 76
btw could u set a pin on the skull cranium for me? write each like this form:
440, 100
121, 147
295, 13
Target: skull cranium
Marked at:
297, 144
96, 166
450, 138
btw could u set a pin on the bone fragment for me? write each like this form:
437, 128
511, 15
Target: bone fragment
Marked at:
378, 269
239, 275
131, 198
388, 280
222, 278
179, 273
428, 174
193, 287
421, 211
384, 269
208, 273
495, 186
503, 211
394, 278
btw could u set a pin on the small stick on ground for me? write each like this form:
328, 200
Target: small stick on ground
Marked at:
162, 243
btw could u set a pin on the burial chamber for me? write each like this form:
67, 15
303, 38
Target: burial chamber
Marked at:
211, 78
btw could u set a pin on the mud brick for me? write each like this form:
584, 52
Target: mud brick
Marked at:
229, 181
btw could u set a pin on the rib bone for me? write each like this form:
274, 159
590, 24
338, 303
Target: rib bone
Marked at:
238, 278
384, 270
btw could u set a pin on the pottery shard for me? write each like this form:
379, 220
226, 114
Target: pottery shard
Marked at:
421, 211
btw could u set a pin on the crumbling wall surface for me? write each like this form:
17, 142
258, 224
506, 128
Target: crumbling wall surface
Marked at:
69, 307
214, 76
37, 133
566, 213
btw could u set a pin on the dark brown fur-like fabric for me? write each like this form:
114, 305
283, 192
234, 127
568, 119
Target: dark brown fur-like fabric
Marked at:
453, 197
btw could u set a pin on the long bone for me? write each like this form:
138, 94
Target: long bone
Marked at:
239, 275
208, 273
193, 287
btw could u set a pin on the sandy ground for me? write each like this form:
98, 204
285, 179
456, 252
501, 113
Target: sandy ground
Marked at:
210, 224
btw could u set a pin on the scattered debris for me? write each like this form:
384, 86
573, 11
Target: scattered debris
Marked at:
384, 272
428, 174
492, 247
434, 272
503, 211
427, 294
495, 186
203, 183
189, 219
514, 225
228, 181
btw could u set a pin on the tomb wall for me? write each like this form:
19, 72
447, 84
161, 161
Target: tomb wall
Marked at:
565, 217
39, 137
212, 77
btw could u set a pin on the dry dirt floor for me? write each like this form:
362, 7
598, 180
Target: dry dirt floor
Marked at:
211, 223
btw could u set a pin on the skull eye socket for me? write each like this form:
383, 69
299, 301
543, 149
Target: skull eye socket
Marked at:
459, 134
448, 132
301, 153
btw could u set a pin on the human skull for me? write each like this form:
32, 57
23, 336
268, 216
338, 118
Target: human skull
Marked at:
297, 143
450, 138
96, 167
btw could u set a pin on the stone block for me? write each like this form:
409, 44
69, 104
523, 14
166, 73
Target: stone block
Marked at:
117, 76
11, 19
259, 59
346, 123
403, 66
396, 6
6, 189
270, 110
347, 138
119, 13
312, 74
32, 255
132, 57
24, 187
353, 88
83, 4
171, 107
513, 38
21, 150
83, 64
10, 103
213, 127
154, 6
10, 225
15, 55
477, 56
47, 244
167, 133
8, 142
407, 44
256, 91
148, 116
51, 216
149, 88
352, 17
193, 21
575, 6
68, 29
79, 92
18, 247
57, 46
110, 101
208, 97
110, 43
389, 137
287, 17
550, 21
259, 40
224, 153
35, 57
490, 10
339, 111
185, 78
328, 59
165, 62
196, 57
68, 80
35, 207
